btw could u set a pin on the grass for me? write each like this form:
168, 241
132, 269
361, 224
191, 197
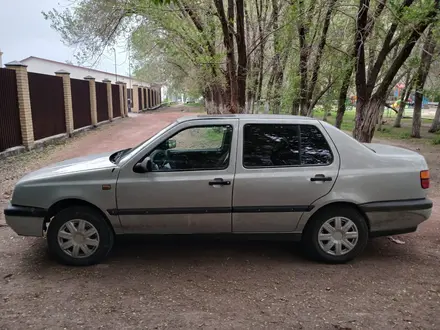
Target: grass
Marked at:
194, 104
388, 131
215, 136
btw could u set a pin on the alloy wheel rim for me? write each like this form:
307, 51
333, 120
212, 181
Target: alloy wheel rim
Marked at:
338, 236
78, 238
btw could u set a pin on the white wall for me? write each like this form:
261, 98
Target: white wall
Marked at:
46, 67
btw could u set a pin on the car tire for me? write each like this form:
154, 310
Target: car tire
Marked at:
79, 236
326, 240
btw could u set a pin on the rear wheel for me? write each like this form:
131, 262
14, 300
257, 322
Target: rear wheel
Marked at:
336, 235
79, 236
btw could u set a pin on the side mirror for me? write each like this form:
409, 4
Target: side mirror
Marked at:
145, 166
170, 144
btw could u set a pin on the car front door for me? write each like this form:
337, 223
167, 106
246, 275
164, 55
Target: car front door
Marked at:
189, 186
282, 168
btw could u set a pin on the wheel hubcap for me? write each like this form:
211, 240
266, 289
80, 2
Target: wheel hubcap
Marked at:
78, 238
338, 236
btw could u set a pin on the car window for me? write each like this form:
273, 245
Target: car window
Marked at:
139, 147
199, 138
194, 148
314, 147
270, 145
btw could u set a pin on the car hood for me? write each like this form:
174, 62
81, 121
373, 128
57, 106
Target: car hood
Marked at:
74, 165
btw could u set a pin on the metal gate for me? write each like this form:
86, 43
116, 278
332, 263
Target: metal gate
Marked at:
116, 101
140, 98
101, 101
47, 102
80, 103
10, 130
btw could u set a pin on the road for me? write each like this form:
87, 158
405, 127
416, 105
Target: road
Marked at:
190, 284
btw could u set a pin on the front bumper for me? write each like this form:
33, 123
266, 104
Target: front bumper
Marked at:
396, 217
25, 221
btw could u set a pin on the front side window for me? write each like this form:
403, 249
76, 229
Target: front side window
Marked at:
267, 145
194, 148
277, 145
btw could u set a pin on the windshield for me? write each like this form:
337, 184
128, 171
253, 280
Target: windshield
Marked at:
128, 153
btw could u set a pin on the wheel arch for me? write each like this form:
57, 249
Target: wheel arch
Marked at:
68, 202
337, 204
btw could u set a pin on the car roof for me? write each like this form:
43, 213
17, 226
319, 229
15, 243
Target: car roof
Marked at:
257, 117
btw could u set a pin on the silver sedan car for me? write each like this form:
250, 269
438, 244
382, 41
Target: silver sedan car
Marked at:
294, 177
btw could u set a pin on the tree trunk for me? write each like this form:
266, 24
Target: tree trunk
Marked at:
215, 100
422, 74
342, 98
317, 62
295, 107
362, 129
436, 122
403, 101
260, 18
379, 122
327, 108
397, 122
303, 61
228, 41
242, 56
417, 115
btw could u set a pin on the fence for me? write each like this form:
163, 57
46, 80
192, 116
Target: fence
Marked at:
35, 106
80, 103
116, 101
101, 101
140, 99
47, 103
145, 98
10, 132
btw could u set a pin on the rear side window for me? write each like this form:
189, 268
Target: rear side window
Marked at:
314, 147
271, 145
277, 145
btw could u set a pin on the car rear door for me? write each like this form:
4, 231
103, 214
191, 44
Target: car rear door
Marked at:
283, 166
190, 191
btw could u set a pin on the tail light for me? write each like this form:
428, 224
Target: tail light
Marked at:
424, 179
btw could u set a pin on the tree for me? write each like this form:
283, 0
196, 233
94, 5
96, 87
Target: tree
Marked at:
404, 97
435, 126
235, 53
420, 80
371, 91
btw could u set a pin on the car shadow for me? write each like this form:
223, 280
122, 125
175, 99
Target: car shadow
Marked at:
168, 252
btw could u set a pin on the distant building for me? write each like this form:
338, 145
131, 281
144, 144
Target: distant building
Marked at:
46, 66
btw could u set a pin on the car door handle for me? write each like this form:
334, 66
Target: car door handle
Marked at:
219, 182
321, 178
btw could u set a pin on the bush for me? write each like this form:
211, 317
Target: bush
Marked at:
436, 140
405, 135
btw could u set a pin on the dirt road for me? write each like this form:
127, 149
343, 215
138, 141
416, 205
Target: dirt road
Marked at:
191, 284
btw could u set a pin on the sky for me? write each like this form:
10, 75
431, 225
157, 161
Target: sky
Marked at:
24, 32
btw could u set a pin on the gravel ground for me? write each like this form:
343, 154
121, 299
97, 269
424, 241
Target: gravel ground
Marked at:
192, 283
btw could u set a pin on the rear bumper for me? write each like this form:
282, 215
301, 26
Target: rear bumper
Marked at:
25, 221
396, 217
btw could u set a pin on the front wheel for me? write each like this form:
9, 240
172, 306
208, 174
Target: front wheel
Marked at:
336, 235
79, 236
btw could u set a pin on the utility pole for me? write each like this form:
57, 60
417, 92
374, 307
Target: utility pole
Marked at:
116, 66
129, 66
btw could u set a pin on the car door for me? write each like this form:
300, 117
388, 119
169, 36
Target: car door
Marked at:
282, 168
189, 189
